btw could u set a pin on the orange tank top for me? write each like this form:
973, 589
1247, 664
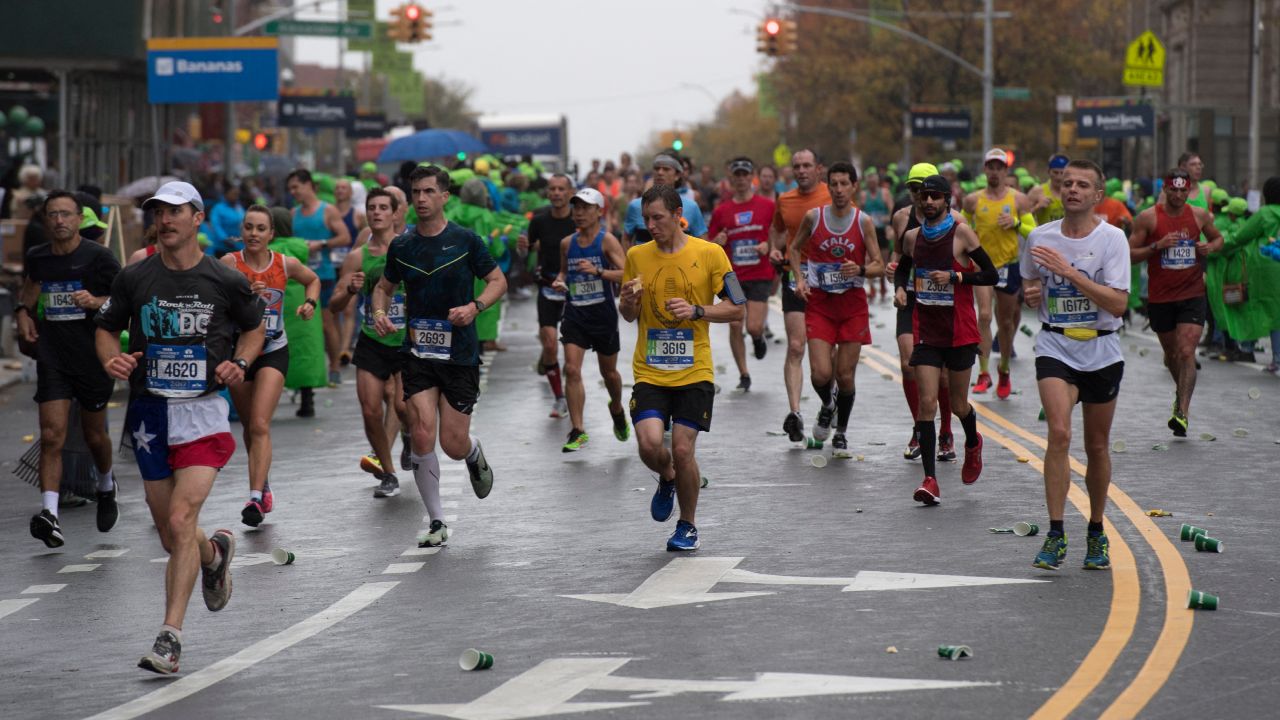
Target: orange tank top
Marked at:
274, 278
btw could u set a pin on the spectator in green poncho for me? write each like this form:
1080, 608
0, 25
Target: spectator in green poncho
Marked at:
306, 337
1259, 315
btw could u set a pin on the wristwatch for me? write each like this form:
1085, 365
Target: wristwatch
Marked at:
480, 306
311, 302
698, 312
20, 307
241, 363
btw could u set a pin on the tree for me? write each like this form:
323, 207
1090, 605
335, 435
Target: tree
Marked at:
449, 103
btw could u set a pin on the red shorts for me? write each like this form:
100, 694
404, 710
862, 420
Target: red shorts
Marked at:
819, 325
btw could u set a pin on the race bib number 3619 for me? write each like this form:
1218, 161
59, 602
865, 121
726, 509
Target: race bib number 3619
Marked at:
669, 349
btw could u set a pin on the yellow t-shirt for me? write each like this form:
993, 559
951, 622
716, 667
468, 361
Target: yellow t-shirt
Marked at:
1053, 211
671, 352
1001, 244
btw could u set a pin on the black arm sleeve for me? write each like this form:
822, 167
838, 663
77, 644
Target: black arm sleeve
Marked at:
902, 274
986, 274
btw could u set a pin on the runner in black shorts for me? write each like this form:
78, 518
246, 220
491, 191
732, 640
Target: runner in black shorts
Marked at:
591, 262
907, 216
439, 263
66, 281
546, 229
377, 357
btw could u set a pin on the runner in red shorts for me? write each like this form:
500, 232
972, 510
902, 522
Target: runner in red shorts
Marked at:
834, 239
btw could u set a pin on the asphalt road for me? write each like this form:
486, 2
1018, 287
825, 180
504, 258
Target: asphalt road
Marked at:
817, 592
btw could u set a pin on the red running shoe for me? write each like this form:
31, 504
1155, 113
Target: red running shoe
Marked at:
972, 463
268, 498
983, 384
1004, 388
928, 492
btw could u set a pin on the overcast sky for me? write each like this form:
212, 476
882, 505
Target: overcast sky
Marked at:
618, 70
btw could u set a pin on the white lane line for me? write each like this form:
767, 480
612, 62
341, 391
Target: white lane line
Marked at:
90, 567
415, 551
357, 600
403, 568
8, 607
106, 554
43, 589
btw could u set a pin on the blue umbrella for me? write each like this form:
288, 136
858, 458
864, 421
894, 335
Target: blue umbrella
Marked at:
431, 143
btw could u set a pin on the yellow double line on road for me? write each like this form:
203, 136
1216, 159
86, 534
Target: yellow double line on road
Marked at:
1126, 596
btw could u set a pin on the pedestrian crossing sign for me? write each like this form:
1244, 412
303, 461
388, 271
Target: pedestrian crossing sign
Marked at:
1144, 61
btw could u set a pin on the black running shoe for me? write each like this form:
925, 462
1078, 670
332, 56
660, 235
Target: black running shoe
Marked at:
216, 584
481, 474
388, 486
760, 346
793, 426
108, 511
163, 658
744, 384
45, 528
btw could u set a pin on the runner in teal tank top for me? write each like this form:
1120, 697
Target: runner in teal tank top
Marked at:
377, 358
320, 224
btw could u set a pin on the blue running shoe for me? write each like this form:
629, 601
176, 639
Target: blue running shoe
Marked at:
684, 539
1098, 554
664, 500
1051, 553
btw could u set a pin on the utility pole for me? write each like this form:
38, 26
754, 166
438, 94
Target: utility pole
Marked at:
988, 77
1255, 95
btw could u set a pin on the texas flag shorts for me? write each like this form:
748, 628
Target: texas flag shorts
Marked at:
169, 434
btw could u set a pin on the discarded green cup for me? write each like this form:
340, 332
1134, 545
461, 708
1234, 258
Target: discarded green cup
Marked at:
473, 659
1025, 529
1197, 600
812, 444
955, 652
282, 556
1204, 543
1188, 533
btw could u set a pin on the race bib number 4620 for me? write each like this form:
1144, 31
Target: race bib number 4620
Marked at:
177, 370
669, 349
431, 339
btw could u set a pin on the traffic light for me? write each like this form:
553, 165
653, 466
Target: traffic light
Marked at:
410, 23
767, 36
262, 141
787, 37
677, 144
419, 19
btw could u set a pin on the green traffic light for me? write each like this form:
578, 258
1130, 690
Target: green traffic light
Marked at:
677, 144
462, 156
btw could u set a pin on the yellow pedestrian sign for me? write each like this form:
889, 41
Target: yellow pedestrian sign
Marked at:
1144, 61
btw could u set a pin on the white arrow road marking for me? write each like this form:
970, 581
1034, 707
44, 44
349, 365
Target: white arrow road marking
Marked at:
547, 688
89, 567
403, 568
357, 600
681, 582
8, 607
686, 581
544, 690
420, 551
113, 553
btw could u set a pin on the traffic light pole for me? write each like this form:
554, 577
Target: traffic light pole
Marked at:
986, 72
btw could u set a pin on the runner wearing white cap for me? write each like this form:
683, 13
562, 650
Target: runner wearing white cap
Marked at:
591, 261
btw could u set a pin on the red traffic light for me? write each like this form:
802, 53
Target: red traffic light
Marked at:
412, 12
261, 141
772, 26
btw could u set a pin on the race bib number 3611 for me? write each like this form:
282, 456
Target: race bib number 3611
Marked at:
669, 349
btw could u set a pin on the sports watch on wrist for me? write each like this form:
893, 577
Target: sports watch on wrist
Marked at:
241, 363
480, 306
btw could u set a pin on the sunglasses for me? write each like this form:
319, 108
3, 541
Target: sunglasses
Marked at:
932, 195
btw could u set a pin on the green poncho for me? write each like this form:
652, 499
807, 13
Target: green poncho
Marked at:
1260, 313
307, 362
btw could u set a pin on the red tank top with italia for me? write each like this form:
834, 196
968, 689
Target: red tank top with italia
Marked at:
944, 315
274, 278
834, 293
1175, 273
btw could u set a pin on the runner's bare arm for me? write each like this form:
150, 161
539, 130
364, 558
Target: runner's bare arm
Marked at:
875, 263
379, 301
349, 280
307, 278
968, 247
333, 220
797, 250
1143, 226
495, 286
1031, 292
1213, 237
615, 258
559, 282
117, 364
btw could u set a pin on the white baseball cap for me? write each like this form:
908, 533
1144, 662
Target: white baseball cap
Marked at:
996, 154
589, 196
176, 193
